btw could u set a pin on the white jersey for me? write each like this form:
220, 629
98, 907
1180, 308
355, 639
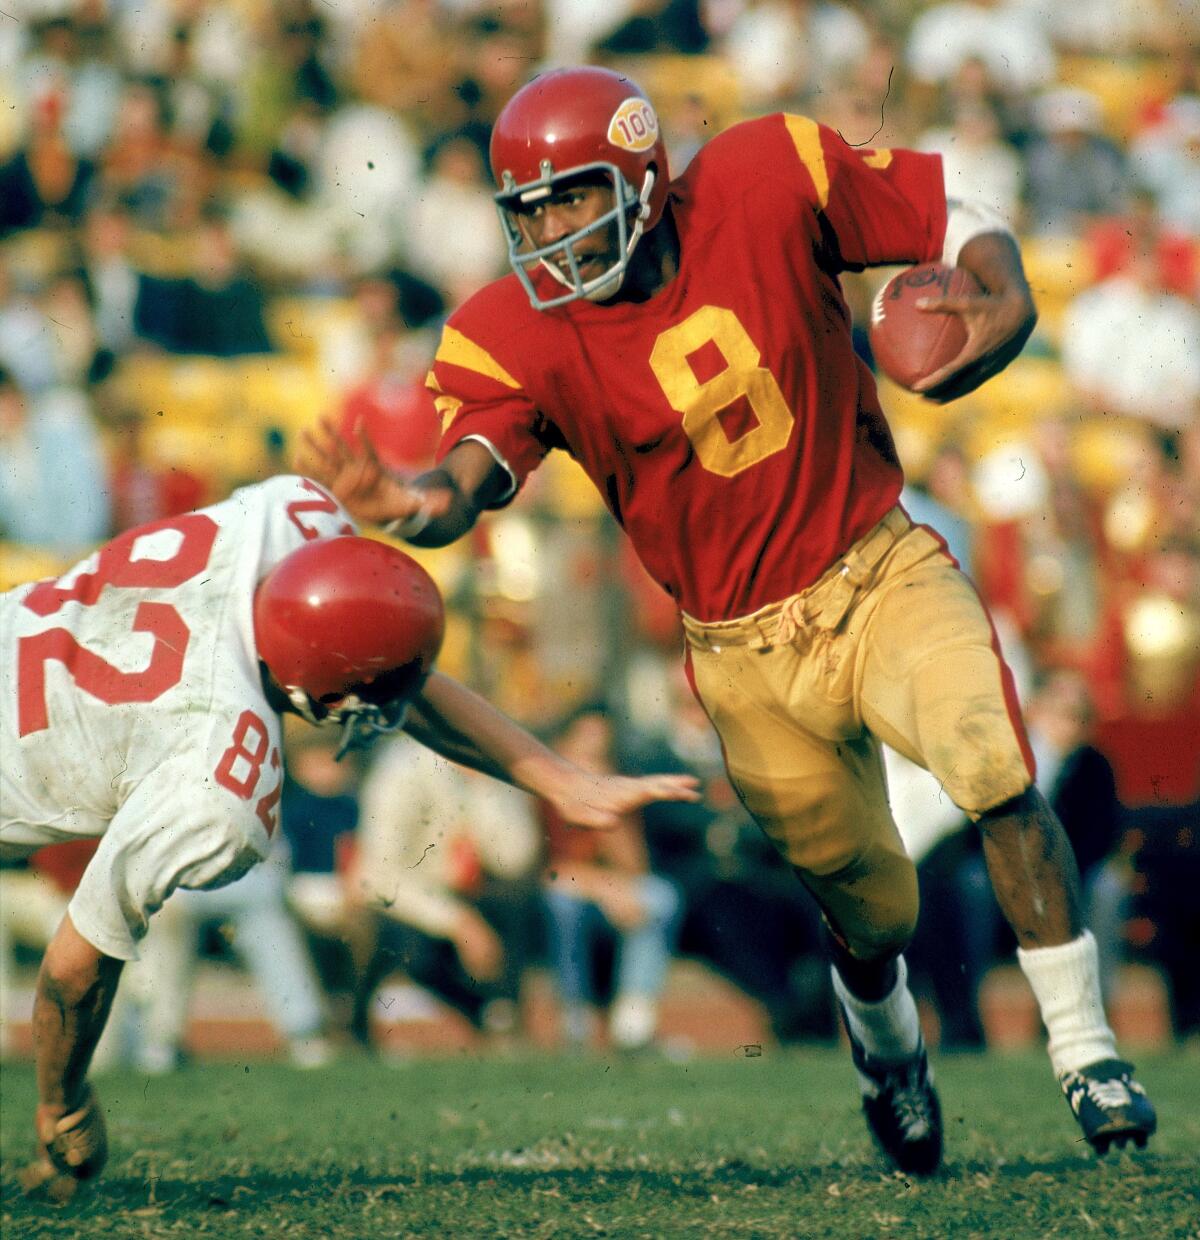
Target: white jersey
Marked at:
132, 706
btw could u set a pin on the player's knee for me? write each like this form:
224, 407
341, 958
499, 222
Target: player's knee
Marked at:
979, 775
882, 932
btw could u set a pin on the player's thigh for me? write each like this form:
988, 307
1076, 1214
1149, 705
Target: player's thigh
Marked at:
822, 801
935, 687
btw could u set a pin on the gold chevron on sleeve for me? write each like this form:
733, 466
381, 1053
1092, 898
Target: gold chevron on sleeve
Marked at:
806, 137
459, 350
447, 406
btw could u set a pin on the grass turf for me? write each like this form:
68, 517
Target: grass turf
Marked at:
767, 1146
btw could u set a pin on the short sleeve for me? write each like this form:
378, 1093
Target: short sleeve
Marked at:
876, 206
171, 831
477, 398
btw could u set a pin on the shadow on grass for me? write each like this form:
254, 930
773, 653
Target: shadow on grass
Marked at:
272, 1190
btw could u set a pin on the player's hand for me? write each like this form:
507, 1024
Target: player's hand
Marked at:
997, 327
74, 1147
359, 479
478, 946
586, 799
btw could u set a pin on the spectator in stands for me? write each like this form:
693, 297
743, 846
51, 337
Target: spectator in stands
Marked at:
286, 204
1003, 35
601, 894
941, 498
1131, 347
391, 405
142, 491
1042, 560
31, 906
659, 27
135, 165
446, 870
1166, 925
368, 172
743, 912
149, 1018
318, 819
217, 310
112, 278
783, 51
45, 184
955, 942
1166, 158
407, 60
451, 237
1079, 783
52, 489
1115, 242
976, 160
1075, 172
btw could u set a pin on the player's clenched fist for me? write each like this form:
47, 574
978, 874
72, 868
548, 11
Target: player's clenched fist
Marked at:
74, 1147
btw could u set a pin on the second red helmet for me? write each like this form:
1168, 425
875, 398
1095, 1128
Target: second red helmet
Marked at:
349, 627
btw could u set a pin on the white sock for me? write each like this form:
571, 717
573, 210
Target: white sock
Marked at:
1066, 984
633, 1021
888, 1029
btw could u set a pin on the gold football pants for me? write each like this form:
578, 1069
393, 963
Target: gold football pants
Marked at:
891, 645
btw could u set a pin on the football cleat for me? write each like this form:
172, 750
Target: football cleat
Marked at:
1111, 1107
902, 1108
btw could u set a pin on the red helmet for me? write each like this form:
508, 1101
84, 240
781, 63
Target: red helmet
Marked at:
349, 629
566, 124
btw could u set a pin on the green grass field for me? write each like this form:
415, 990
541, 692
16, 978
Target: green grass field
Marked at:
767, 1146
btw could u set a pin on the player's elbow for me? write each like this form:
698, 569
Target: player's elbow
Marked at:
72, 968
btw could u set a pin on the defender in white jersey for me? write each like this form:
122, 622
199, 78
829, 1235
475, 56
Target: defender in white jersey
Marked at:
139, 703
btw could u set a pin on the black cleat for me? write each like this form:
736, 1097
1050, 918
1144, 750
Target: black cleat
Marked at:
902, 1109
1111, 1107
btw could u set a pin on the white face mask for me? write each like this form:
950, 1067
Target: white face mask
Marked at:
361, 722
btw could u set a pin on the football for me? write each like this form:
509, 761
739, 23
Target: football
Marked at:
909, 344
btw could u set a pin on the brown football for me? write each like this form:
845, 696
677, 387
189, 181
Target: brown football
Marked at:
910, 344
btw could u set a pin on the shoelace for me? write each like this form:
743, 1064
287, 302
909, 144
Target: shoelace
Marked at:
1112, 1093
910, 1104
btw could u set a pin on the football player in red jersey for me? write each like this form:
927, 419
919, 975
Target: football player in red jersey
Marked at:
688, 343
140, 697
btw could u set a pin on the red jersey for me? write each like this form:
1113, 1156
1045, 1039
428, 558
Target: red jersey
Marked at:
726, 421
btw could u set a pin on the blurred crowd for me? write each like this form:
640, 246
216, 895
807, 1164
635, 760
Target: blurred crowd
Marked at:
220, 219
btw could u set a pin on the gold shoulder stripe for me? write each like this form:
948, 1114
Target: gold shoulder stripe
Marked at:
447, 406
457, 350
806, 136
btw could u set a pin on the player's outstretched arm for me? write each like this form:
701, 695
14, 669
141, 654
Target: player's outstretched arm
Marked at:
75, 991
998, 320
429, 511
460, 725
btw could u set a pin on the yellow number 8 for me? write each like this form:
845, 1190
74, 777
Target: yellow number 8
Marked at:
700, 403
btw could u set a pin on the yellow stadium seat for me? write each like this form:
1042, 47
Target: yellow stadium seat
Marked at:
1122, 85
1029, 389
302, 325
673, 81
1107, 452
20, 564
231, 453
283, 391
